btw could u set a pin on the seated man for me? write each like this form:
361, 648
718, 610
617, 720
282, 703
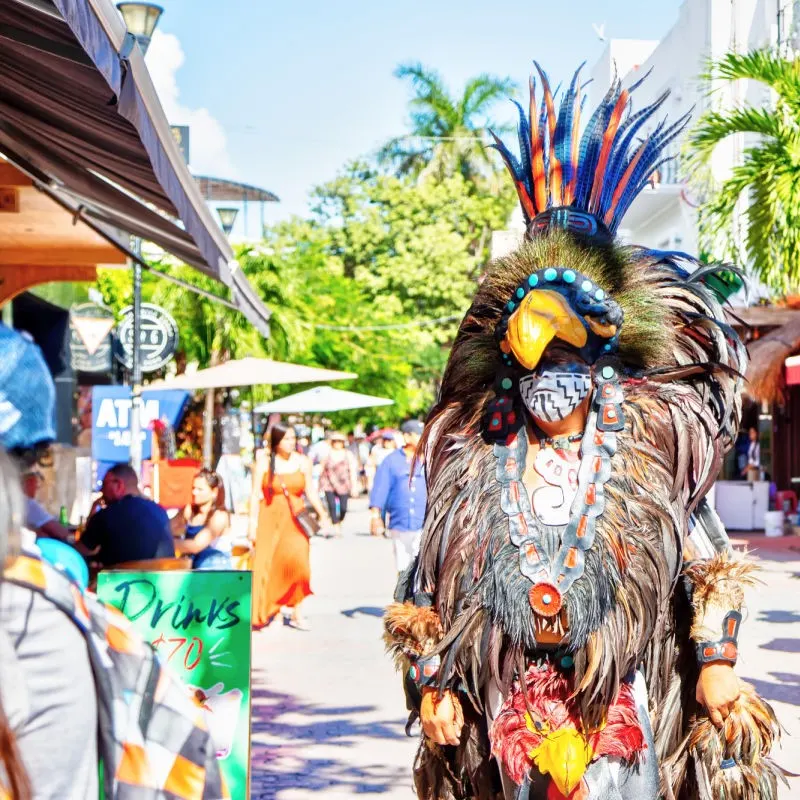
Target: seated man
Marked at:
37, 518
129, 527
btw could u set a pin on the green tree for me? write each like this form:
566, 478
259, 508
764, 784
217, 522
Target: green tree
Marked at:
349, 287
421, 245
448, 131
766, 185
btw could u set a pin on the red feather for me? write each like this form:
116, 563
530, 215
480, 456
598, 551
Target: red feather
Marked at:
551, 700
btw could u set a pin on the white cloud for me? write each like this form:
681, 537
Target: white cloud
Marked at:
208, 147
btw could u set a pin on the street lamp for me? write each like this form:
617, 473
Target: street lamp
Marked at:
227, 216
141, 20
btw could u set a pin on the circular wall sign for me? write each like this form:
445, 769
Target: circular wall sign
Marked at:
158, 338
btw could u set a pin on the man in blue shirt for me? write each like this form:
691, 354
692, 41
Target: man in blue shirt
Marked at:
130, 527
400, 496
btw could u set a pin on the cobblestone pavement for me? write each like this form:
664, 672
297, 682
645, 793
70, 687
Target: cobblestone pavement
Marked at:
328, 709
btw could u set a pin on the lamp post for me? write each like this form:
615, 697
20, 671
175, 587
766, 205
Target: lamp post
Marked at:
141, 20
227, 217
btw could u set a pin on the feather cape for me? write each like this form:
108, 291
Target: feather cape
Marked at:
683, 368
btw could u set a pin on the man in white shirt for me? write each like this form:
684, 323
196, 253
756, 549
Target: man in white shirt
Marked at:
37, 518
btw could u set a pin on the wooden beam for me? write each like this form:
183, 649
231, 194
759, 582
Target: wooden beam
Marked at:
11, 176
762, 316
15, 280
60, 254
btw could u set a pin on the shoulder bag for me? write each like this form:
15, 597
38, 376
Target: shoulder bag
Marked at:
306, 519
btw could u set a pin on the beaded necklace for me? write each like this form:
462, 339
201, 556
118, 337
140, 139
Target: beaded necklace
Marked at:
552, 577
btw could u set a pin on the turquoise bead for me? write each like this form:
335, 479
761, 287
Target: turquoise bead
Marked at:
511, 305
520, 293
550, 274
599, 294
608, 372
506, 383
569, 276
586, 286
607, 347
533, 280
567, 661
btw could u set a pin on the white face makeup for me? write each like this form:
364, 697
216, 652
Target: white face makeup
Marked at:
554, 393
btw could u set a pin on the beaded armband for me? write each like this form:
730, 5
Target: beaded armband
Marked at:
424, 671
725, 649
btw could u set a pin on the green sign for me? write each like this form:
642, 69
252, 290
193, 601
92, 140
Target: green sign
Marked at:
199, 622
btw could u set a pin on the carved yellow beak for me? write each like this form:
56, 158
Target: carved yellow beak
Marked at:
565, 755
541, 317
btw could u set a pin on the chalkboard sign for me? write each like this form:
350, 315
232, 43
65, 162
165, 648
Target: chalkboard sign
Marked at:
199, 622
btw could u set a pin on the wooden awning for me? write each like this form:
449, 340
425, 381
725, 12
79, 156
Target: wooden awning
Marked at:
80, 117
40, 241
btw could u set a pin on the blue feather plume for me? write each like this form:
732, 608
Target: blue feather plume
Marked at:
619, 185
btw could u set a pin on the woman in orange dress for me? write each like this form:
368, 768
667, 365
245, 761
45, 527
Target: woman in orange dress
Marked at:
281, 566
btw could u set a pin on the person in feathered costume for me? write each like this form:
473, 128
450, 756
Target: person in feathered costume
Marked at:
570, 626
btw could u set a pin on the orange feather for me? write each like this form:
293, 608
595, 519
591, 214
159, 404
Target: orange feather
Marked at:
525, 199
537, 155
605, 150
569, 194
623, 182
555, 164
556, 188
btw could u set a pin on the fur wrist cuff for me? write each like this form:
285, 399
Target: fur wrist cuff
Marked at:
410, 632
718, 588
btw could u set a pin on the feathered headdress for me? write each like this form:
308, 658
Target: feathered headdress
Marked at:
584, 183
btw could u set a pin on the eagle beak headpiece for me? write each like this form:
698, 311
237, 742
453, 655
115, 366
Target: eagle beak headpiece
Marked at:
581, 186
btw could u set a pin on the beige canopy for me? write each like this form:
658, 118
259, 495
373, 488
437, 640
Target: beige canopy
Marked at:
321, 400
251, 372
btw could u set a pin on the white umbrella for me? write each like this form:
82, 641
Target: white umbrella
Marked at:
251, 372
321, 400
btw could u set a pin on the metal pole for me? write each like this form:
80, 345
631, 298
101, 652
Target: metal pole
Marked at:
136, 370
253, 424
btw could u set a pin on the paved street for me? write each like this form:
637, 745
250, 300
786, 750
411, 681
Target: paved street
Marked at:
328, 711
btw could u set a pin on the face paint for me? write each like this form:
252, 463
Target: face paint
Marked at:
553, 393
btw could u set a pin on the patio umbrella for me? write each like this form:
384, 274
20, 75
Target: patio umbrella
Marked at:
321, 400
251, 372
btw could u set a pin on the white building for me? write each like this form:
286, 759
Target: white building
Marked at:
664, 216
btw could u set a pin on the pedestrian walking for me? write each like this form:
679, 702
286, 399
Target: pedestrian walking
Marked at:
399, 495
281, 565
338, 480
752, 470
571, 624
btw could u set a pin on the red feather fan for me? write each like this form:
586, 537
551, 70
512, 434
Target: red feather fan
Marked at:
550, 703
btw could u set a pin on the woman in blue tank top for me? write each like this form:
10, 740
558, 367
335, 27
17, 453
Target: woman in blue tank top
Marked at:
203, 522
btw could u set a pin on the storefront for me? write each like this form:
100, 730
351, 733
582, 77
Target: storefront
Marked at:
88, 163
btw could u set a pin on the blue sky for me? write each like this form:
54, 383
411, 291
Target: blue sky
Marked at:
281, 95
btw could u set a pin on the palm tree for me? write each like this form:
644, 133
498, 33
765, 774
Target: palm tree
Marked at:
448, 133
761, 198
